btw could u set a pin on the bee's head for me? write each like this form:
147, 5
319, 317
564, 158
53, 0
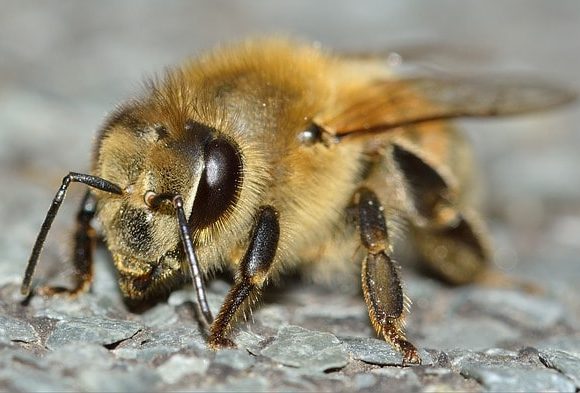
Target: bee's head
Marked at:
153, 163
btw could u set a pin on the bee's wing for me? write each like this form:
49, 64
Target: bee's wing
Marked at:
389, 104
426, 55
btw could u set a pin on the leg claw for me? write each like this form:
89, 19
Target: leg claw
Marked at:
410, 354
411, 357
216, 343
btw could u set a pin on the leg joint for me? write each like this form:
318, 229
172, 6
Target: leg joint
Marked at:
371, 221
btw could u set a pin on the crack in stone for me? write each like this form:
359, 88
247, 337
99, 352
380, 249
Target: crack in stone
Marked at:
548, 363
115, 344
22, 341
468, 377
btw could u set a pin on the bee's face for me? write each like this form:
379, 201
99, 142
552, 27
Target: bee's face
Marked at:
153, 163
141, 258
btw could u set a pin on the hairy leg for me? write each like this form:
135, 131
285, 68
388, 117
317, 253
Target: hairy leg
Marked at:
381, 284
251, 275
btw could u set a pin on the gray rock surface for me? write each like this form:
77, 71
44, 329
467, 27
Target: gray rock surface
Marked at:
373, 351
567, 364
236, 359
526, 310
64, 65
519, 380
91, 330
179, 366
14, 330
313, 351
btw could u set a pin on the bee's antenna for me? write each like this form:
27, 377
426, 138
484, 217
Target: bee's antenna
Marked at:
93, 181
192, 259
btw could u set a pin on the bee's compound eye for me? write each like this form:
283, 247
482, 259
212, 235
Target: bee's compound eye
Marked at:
311, 135
219, 185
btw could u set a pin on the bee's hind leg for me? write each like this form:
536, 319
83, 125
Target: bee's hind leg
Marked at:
460, 254
381, 284
84, 240
250, 277
450, 237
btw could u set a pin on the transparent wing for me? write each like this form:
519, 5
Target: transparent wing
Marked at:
389, 104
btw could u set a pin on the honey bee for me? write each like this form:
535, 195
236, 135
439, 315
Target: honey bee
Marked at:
269, 154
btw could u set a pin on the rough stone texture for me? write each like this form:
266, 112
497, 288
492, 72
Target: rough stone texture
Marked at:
91, 330
519, 380
499, 370
179, 366
314, 351
12, 329
161, 343
459, 331
398, 380
567, 364
374, 351
64, 64
235, 359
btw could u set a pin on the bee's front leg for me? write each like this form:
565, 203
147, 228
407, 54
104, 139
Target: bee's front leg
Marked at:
84, 245
251, 275
381, 284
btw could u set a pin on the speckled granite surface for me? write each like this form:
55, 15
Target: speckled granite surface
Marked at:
64, 64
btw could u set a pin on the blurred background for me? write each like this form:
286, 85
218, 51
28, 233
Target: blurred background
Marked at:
65, 64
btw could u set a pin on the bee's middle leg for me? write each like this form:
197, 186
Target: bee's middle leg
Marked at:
250, 277
381, 284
